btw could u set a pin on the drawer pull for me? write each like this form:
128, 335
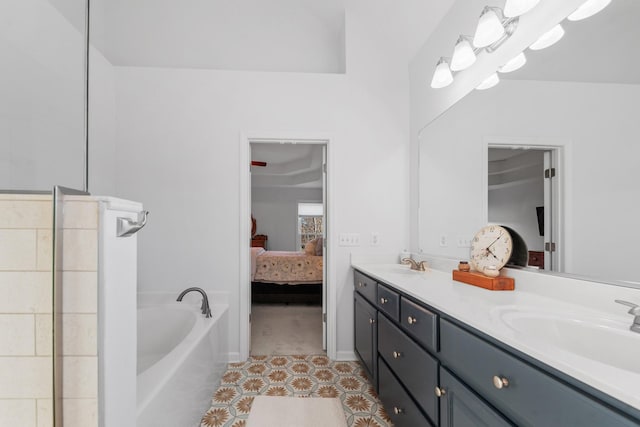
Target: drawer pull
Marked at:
372, 321
411, 320
440, 391
397, 410
396, 354
500, 382
360, 284
383, 300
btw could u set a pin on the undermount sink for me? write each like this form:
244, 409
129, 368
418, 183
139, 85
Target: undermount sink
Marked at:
600, 339
400, 269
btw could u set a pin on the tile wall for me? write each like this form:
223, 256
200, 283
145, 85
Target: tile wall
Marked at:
26, 311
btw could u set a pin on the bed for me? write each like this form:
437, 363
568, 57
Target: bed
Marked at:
279, 276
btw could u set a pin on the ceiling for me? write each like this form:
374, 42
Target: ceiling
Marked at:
288, 165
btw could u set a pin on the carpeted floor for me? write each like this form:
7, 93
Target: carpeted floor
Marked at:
278, 329
297, 376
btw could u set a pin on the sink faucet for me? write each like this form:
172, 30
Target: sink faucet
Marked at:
205, 301
635, 311
418, 266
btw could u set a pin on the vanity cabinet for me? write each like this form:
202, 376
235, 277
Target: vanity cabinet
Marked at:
432, 370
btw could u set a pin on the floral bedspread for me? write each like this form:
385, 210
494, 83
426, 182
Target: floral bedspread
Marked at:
288, 268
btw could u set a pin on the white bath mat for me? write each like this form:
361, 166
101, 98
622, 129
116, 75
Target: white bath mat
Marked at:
277, 411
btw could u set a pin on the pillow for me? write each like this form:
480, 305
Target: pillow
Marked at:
310, 247
319, 245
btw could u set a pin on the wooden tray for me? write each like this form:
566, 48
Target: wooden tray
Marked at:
500, 283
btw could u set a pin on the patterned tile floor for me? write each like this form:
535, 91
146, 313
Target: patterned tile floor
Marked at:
299, 376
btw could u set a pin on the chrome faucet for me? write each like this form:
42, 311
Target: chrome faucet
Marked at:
635, 311
418, 266
205, 301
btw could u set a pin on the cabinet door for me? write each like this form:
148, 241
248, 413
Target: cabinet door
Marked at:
366, 335
459, 407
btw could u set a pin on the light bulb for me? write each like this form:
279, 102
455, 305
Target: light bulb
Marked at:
548, 38
489, 82
463, 54
442, 76
489, 29
513, 64
513, 8
588, 8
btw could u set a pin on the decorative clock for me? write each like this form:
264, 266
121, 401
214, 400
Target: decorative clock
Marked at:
491, 249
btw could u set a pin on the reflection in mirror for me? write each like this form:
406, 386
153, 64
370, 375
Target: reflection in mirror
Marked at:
578, 99
42, 106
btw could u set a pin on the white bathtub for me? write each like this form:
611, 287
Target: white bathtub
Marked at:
181, 358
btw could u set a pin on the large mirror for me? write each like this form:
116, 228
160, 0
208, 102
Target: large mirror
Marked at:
578, 100
42, 94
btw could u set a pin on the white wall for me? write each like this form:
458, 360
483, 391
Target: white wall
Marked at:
600, 125
276, 213
180, 130
42, 102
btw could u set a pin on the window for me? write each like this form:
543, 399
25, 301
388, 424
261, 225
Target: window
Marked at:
310, 222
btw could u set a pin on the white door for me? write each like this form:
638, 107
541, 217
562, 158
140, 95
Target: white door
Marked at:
324, 249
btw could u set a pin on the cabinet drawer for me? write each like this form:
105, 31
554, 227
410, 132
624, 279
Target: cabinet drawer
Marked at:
389, 302
366, 286
532, 397
413, 366
419, 323
401, 409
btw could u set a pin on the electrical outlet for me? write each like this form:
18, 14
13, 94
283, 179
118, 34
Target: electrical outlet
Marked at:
375, 238
443, 240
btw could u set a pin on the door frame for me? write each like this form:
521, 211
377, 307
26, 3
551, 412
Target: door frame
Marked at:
246, 139
561, 187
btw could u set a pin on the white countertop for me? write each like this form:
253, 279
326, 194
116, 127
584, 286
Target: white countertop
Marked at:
482, 310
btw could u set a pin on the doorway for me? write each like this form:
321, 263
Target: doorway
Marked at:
287, 190
523, 195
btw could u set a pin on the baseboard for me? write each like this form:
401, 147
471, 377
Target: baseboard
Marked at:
346, 356
233, 357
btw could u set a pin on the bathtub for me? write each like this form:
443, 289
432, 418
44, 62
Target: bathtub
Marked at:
181, 359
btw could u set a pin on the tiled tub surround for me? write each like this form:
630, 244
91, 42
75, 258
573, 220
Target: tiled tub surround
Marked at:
535, 293
26, 311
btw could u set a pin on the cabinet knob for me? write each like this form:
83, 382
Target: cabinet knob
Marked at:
372, 321
396, 354
411, 320
383, 300
397, 410
500, 382
360, 284
439, 391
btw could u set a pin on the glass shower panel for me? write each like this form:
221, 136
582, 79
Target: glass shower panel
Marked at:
42, 93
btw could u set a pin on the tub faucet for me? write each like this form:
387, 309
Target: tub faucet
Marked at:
635, 311
418, 266
205, 301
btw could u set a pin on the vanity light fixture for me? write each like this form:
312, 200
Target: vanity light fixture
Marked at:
514, 64
463, 54
490, 28
513, 8
489, 82
588, 8
442, 76
549, 38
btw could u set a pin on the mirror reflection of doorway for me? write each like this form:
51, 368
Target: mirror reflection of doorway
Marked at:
520, 195
287, 254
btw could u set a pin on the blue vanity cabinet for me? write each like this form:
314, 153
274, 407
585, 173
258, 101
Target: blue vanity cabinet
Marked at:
460, 407
366, 337
432, 370
415, 368
523, 393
